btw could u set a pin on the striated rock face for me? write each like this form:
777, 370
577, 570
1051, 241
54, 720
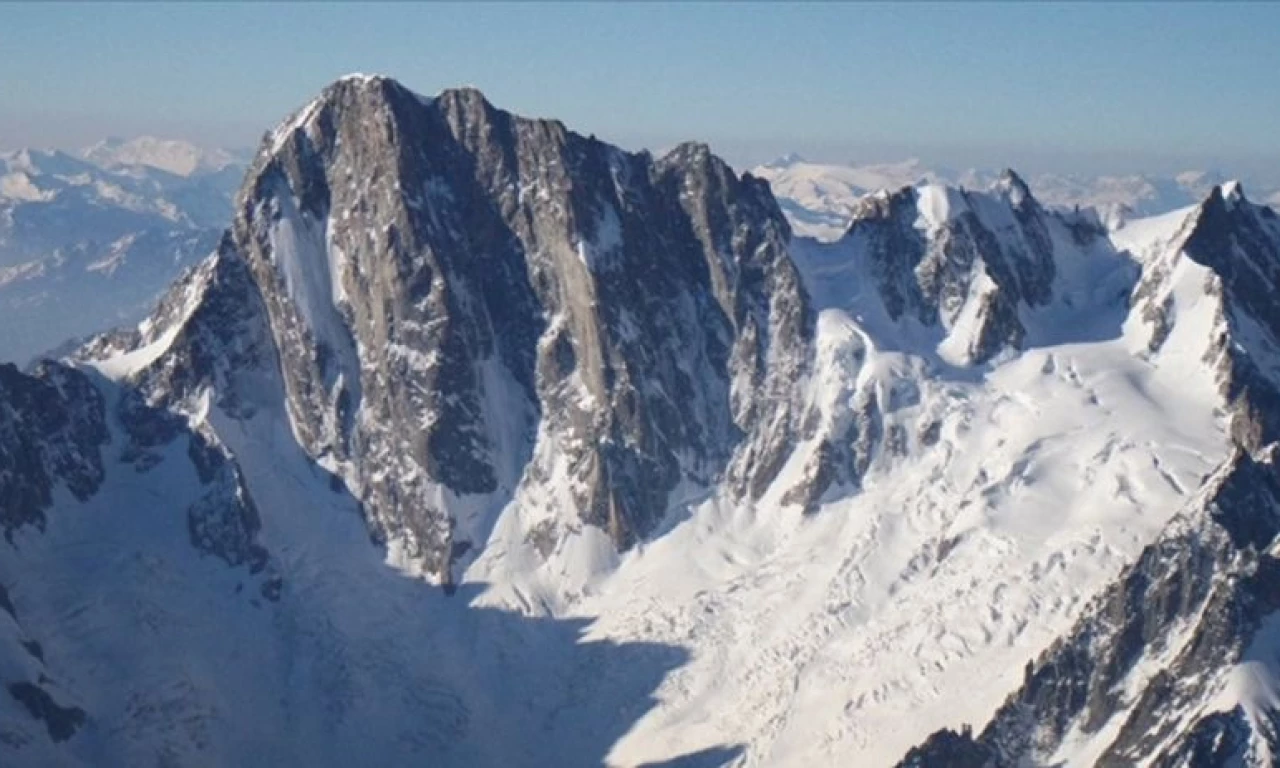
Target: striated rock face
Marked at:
465, 302
1240, 243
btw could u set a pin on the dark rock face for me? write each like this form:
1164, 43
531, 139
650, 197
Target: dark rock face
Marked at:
212, 323
463, 300
949, 749
1189, 608
52, 432
1240, 242
931, 275
1218, 739
224, 521
52, 426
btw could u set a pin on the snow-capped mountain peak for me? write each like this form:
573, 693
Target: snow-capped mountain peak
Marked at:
818, 198
702, 492
526, 370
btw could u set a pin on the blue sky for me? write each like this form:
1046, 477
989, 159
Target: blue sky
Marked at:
1087, 87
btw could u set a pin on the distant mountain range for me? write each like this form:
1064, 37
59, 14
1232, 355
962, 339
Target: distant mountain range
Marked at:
90, 240
818, 198
479, 442
150, 207
180, 158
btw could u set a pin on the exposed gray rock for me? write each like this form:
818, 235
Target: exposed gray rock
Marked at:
1239, 243
445, 282
930, 274
224, 521
1189, 608
212, 323
52, 427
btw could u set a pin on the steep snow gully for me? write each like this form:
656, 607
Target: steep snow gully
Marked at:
480, 442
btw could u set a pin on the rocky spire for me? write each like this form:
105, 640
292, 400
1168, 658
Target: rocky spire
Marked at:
964, 261
467, 305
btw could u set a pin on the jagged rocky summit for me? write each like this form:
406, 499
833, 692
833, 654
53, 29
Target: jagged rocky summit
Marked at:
504, 350
1175, 663
467, 304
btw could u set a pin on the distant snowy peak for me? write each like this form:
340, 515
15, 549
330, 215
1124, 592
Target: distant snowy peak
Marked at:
785, 161
1117, 198
90, 198
818, 197
103, 237
174, 156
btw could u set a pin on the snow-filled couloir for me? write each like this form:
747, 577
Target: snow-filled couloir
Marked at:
480, 442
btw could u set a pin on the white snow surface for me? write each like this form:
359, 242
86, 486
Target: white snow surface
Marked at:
750, 632
819, 198
181, 158
914, 603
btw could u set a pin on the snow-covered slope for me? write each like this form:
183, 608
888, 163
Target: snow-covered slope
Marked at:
176, 607
1176, 662
479, 442
998, 500
819, 198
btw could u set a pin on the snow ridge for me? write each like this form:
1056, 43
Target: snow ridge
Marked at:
647, 479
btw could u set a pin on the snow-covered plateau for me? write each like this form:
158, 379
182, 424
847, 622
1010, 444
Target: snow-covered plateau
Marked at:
479, 442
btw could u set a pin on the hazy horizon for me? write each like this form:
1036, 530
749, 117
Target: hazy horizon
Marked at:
1055, 88
748, 154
